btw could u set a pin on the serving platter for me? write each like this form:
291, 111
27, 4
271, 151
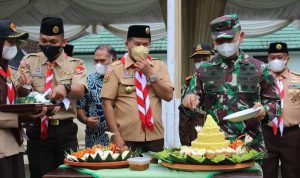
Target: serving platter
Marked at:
98, 165
193, 167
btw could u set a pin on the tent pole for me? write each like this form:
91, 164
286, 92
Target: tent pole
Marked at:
170, 109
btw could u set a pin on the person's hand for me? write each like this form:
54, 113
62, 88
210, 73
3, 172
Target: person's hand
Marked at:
118, 141
191, 101
261, 115
92, 121
58, 93
53, 112
145, 67
30, 117
25, 79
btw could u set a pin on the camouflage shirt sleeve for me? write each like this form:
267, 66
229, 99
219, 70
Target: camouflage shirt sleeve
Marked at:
269, 94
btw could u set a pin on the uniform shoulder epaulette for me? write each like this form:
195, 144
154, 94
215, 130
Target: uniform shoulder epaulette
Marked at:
295, 73
74, 59
116, 63
155, 59
31, 55
188, 77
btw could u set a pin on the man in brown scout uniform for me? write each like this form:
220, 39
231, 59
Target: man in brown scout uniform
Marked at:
188, 122
64, 79
283, 146
133, 92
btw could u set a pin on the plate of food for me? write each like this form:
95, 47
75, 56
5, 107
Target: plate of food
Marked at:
242, 115
210, 151
34, 102
101, 157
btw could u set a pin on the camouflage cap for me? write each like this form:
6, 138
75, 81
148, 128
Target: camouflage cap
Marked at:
225, 26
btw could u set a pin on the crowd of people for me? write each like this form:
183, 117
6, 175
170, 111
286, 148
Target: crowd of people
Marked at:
124, 96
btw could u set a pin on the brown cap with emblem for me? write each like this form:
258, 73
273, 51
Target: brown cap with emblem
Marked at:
202, 49
8, 31
139, 31
52, 26
278, 47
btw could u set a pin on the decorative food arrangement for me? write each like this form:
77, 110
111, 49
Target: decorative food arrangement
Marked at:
211, 148
100, 153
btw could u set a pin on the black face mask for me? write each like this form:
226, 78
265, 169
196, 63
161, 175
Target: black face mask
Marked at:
51, 52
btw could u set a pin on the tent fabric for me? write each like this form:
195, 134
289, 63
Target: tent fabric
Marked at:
264, 9
86, 16
81, 12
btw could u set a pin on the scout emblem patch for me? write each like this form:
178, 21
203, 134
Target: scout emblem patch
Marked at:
37, 69
278, 46
55, 29
79, 69
147, 30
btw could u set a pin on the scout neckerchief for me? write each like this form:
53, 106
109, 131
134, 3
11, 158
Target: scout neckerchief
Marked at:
278, 122
47, 89
11, 93
10, 99
143, 101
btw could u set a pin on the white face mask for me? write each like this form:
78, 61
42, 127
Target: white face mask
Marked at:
9, 52
101, 69
197, 64
277, 65
228, 49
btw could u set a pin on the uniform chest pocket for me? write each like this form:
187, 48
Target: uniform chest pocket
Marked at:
248, 95
215, 100
127, 87
38, 81
38, 84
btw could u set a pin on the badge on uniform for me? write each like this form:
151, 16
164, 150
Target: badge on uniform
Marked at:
40, 75
79, 69
37, 69
127, 75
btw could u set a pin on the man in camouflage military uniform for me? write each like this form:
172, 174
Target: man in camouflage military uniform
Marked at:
233, 81
54, 72
283, 146
188, 122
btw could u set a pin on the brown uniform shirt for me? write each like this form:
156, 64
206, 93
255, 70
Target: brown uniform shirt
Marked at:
67, 70
8, 144
125, 104
291, 100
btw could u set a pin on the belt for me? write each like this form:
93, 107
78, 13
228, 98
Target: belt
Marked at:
56, 122
294, 127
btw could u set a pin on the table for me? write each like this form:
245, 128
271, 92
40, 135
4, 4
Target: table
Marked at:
68, 173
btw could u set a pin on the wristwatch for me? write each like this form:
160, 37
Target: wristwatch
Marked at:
68, 88
152, 79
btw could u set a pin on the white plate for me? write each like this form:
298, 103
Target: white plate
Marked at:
242, 115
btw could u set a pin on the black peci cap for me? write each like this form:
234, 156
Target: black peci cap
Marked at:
52, 26
278, 47
139, 31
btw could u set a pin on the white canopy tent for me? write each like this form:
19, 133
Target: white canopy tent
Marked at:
187, 22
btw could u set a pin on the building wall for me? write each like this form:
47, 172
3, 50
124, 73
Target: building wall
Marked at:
294, 63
